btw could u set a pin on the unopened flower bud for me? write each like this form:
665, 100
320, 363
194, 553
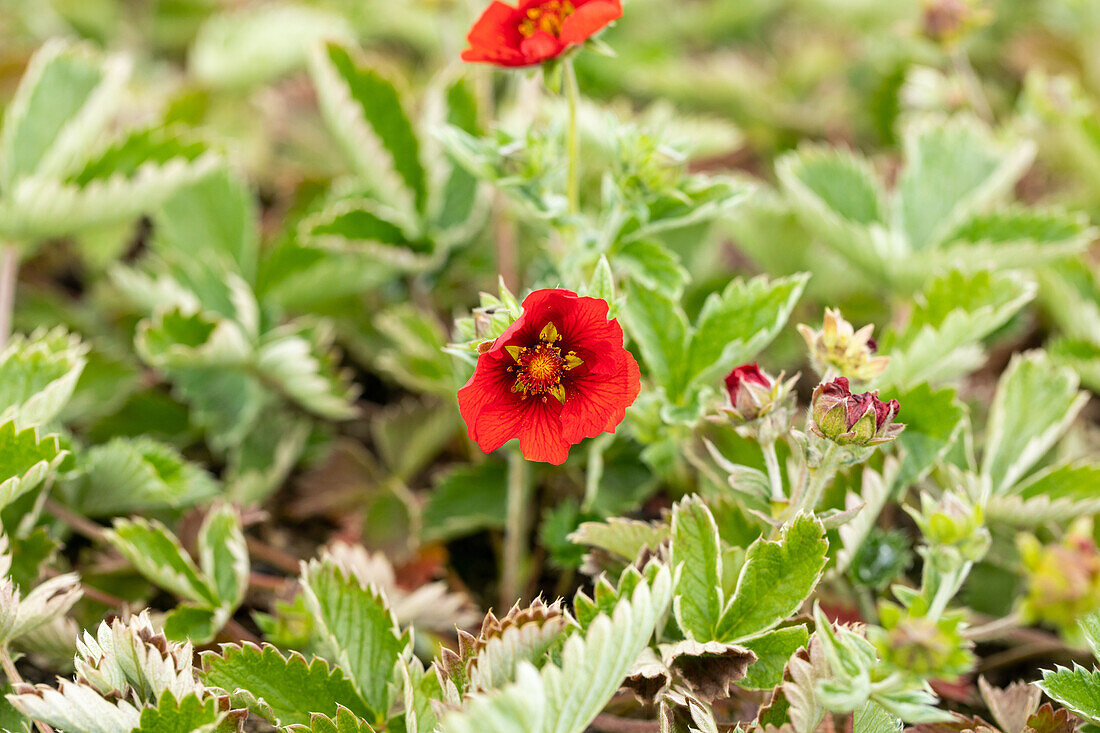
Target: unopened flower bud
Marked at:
839, 348
946, 21
853, 419
750, 392
953, 521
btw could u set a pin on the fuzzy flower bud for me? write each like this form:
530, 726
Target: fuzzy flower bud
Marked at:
953, 521
750, 392
839, 348
853, 419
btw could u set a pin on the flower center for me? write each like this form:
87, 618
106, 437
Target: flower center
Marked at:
539, 368
547, 17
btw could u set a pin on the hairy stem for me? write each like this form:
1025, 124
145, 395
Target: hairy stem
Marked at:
9, 273
572, 94
515, 531
775, 477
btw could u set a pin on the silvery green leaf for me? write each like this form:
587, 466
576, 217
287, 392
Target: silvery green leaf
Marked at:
38, 374
157, 554
299, 363
696, 548
366, 114
23, 612
64, 100
620, 536
190, 340
953, 314
131, 658
38, 208
1033, 407
566, 698
776, 579
735, 325
248, 46
358, 629
954, 169
75, 708
223, 554
213, 219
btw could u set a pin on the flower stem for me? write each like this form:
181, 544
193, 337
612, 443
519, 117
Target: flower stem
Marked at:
775, 477
9, 271
515, 531
572, 93
820, 476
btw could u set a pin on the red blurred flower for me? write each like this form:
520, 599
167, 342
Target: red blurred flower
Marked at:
537, 30
558, 375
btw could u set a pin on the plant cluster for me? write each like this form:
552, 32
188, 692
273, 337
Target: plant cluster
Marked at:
752, 391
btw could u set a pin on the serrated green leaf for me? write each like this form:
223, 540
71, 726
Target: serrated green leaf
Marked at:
252, 45
365, 112
465, 500
214, 220
735, 325
696, 550
345, 721
300, 364
158, 555
198, 625
62, 103
189, 715
283, 690
1034, 405
953, 314
659, 327
933, 421
358, 629
142, 146
416, 356
25, 460
1082, 356
131, 475
566, 698
773, 650
38, 375
652, 265
952, 170
39, 208
873, 718
775, 580
1077, 689
191, 340
76, 708
223, 554
622, 537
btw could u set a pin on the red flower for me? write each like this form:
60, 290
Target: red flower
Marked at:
558, 375
537, 30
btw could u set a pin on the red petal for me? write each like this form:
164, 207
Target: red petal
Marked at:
541, 437
588, 19
597, 403
495, 37
540, 46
